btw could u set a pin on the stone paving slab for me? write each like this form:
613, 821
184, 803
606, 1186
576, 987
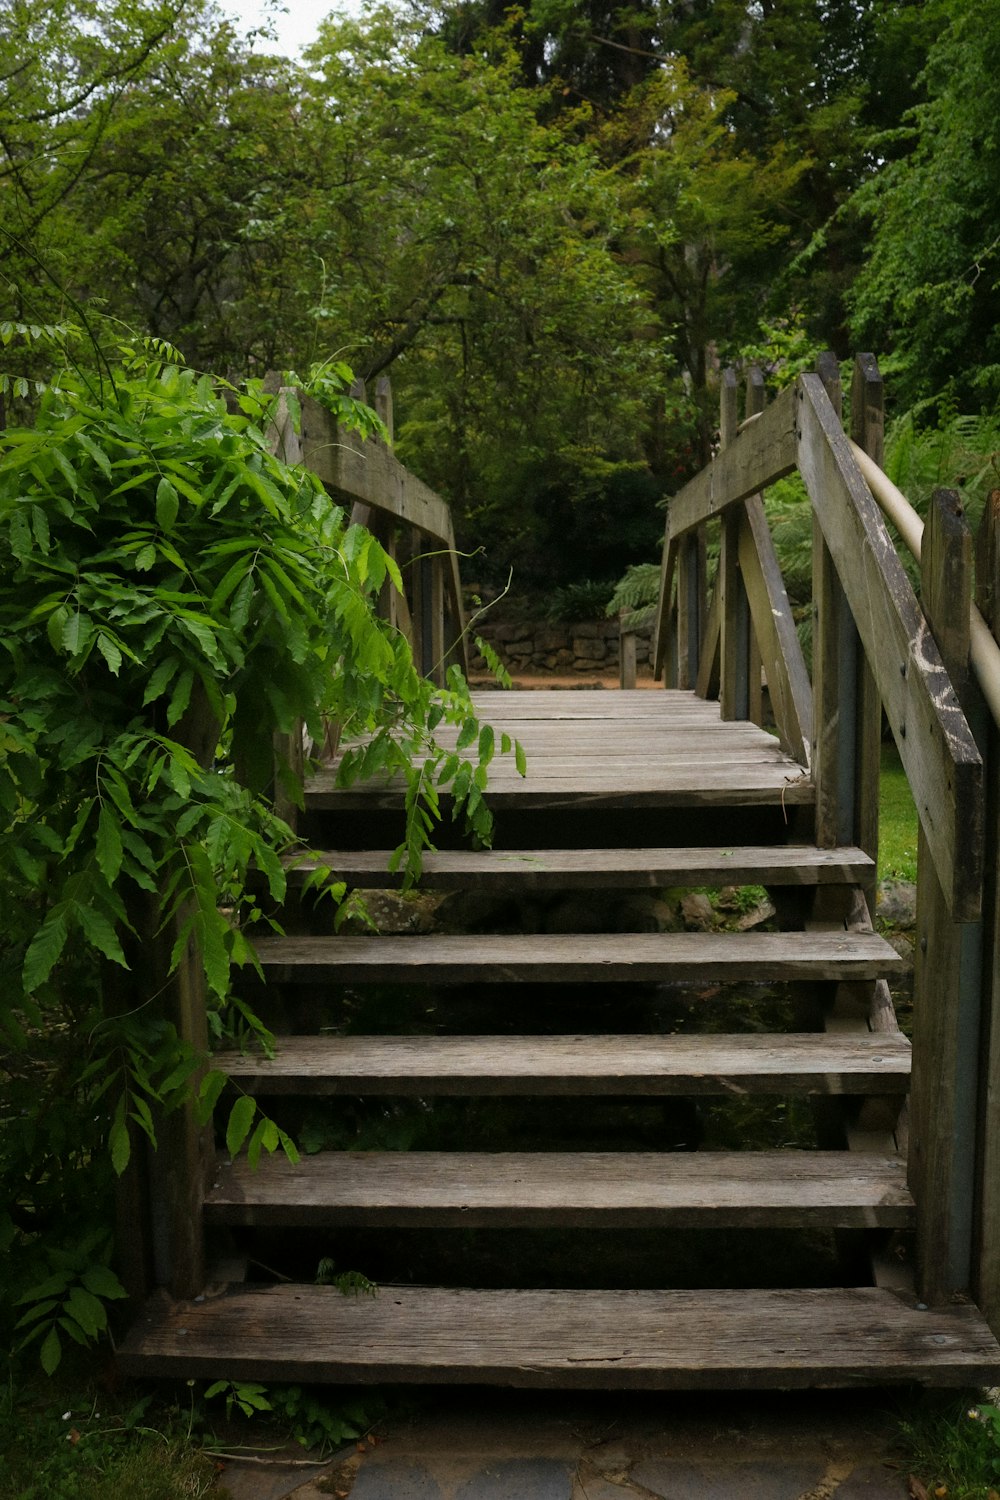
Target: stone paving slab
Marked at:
504, 1446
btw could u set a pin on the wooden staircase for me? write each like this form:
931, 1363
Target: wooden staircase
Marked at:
518, 988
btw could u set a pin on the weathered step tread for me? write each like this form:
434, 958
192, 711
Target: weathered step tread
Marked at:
657, 1340
580, 957
802, 1063
565, 869
587, 1189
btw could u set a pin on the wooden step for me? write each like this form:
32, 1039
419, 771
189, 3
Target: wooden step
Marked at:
806, 1063
658, 957
587, 869
580, 1190
658, 1340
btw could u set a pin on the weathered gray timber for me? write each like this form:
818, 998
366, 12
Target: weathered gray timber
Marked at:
762, 452
774, 630
579, 958
639, 1340
639, 1066
948, 969
587, 869
935, 743
581, 1190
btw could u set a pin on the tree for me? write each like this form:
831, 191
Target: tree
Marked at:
930, 290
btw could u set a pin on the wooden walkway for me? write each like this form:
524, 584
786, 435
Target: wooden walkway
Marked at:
865, 1253
596, 747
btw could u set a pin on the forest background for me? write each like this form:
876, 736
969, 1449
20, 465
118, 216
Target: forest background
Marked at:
550, 223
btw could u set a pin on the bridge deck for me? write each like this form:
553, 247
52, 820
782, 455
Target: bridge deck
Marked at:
627, 748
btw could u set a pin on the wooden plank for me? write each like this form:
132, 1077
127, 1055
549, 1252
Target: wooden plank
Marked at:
707, 683
685, 791
661, 628
580, 1190
734, 611
935, 743
986, 1250
774, 627
947, 981
577, 958
626, 653
644, 1066
368, 473
632, 1339
588, 869
868, 431
691, 589
761, 453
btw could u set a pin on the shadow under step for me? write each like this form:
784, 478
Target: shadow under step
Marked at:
801, 1063
579, 1190
587, 869
683, 957
652, 1340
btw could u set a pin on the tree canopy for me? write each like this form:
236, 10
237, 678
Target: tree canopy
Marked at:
549, 222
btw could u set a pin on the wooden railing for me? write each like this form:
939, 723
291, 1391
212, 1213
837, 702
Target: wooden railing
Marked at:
408, 518
160, 1230
877, 650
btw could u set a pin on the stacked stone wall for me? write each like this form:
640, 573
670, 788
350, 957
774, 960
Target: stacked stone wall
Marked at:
541, 646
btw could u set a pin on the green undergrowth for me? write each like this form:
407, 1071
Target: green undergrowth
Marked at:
81, 1436
952, 1445
897, 851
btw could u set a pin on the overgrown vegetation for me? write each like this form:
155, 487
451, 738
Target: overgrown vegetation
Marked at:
171, 597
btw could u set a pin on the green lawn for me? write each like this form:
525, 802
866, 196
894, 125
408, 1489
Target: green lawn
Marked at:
897, 838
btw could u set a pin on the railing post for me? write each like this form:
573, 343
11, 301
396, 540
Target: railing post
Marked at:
837, 655
626, 653
986, 1245
947, 971
867, 430
756, 399
734, 676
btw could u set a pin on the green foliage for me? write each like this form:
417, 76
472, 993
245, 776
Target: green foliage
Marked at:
930, 289
586, 600
315, 1422
953, 1445
350, 1283
171, 597
65, 1441
71, 1298
636, 591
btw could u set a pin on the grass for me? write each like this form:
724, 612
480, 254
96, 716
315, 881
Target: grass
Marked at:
74, 1441
953, 1453
897, 848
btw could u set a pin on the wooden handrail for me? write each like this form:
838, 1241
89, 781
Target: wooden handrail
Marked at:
935, 743
984, 650
365, 472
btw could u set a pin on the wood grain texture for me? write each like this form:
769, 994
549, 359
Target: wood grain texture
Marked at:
935, 743
643, 1340
549, 1189
668, 748
774, 627
761, 453
589, 869
641, 1066
577, 958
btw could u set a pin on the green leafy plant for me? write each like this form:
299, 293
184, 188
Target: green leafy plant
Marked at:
71, 1299
172, 596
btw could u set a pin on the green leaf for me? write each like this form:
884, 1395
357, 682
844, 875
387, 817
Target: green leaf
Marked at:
208, 1095
110, 652
103, 1282
100, 934
77, 632
109, 845
167, 505
45, 948
86, 1310
157, 684
520, 760
145, 558
180, 697
51, 1352
240, 1120
121, 1146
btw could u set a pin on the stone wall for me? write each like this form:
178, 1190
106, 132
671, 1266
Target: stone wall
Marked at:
540, 646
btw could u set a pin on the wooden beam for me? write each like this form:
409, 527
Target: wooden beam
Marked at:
771, 613
764, 451
734, 610
661, 630
867, 430
935, 743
